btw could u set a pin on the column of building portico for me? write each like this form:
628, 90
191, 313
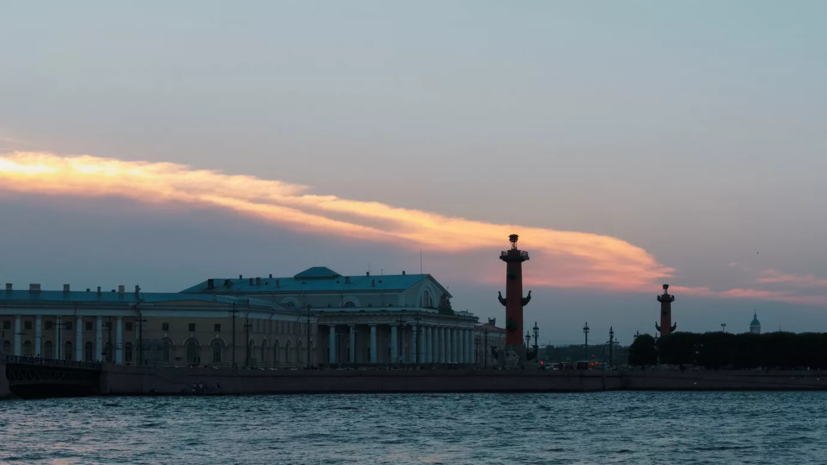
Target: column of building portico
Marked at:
472, 353
119, 341
455, 345
422, 344
99, 339
429, 339
394, 345
352, 348
414, 331
448, 343
468, 340
18, 331
58, 338
442, 345
332, 343
463, 350
79, 338
459, 346
373, 347
38, 336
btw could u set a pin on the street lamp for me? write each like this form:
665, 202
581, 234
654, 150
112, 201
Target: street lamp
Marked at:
611, 344
586, 333
527, 339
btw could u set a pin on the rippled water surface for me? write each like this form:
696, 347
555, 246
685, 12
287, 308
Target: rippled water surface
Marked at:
612, 427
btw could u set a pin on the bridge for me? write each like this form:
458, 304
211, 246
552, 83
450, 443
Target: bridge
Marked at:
32, 377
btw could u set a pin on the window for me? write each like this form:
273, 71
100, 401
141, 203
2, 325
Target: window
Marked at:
27, 349
216, 352
276, 353
287, 358
67, 350
192, 327
291, 305
6, 347
7, 325
165, 351
299, 352
89, 326
88, 352
165, 327
264, 351
350, 304
27, 325
48, 350
217, 327
107, 349
129, 326
127, 351
426, 300
48, 325
68, 326
192, 351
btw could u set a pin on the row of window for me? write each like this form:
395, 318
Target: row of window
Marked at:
67, 325
286, 327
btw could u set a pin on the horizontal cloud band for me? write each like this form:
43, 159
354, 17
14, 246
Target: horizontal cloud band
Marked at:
567, 258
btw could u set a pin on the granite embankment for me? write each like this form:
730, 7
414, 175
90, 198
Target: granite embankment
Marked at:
4, 382
117, 380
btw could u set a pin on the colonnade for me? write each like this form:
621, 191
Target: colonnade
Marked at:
427, 344
78, 343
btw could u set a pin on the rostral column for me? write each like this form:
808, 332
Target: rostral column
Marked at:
666, 326
514, 300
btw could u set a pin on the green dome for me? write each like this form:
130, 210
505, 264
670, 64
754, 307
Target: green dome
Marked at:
755, 320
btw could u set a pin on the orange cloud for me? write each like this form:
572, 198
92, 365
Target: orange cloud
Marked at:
569, 258
759, 294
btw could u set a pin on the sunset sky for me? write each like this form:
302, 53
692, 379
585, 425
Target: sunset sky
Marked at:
629, 144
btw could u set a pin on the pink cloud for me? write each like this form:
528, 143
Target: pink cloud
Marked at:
775, 276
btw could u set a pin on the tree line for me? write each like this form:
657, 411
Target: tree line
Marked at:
718, 350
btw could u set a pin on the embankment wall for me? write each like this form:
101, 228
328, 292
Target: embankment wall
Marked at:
118, 380
4, 382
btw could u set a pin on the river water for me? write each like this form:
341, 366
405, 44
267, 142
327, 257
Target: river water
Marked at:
607, 427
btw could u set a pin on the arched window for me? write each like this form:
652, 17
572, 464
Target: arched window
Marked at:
291, 305
27, 349
350, 304
67, 350
192, 351
166, 349
7, 347
127, 352
48, 350
216, 352
287, 358
426, 299
108, 349
276, 353
88, 351
264, 351
299, 353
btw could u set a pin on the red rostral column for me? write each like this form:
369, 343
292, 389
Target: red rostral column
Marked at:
514, 300
666, 326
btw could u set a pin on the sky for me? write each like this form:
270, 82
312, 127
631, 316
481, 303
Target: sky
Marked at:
630, 144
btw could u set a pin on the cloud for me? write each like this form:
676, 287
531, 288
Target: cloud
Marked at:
775, 276
757, 294
563, 258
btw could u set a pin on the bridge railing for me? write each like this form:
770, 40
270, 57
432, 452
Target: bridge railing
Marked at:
52, 362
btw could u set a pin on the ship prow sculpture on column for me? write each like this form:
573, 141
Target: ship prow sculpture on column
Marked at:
666, 327
514, 353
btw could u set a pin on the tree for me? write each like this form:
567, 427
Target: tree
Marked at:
678, 348
716, 349
643, 351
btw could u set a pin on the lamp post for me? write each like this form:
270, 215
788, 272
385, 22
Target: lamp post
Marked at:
586, 333
536, 337
527, 339
611, 344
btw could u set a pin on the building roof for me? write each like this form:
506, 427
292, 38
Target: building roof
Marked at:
318, 279
116, 298
755, 320
317, 272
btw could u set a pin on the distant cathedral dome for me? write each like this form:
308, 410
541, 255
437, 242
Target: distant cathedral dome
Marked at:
755, 326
